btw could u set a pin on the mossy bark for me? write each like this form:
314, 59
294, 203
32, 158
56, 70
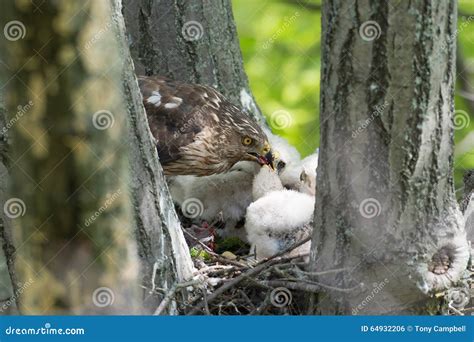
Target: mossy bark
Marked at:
69, 162
162, 248
385, 206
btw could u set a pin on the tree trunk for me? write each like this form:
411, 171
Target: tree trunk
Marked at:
191, 41
8, 287
69, 198
165, 256
467, 204
386, 211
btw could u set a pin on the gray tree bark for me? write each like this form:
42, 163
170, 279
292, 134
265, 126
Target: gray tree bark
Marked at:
69, 198
165, 257
191, 41
385, 209
194, 42
467, 204
9, 289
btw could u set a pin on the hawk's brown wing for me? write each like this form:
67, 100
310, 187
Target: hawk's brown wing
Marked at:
176, 112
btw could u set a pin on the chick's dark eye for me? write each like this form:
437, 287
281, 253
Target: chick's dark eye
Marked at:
303, 176
281, 164
247, 141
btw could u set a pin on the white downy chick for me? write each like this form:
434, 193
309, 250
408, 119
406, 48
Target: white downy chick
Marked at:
264, 182
301, 175
278, 219
290, 176
308, 174
178, 186
288, 161
284, 150
221, 197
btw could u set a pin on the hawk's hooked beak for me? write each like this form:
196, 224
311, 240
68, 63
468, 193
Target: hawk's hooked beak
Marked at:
268, 159
265, 157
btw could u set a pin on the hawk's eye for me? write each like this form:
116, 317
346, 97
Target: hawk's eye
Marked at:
247, 141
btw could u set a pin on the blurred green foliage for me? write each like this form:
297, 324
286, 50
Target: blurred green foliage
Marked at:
280, 44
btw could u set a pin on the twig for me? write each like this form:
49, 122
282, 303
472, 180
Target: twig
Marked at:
195, 239
170, 294
155, 268
304, 285
335, 270
292, 265
234, 282
258, 284
285, 251
206, 305
243, 294
259, 267
281, 273
262, 306
218, 272
164, 303
230, 262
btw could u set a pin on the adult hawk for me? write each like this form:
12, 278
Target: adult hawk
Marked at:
198, 131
